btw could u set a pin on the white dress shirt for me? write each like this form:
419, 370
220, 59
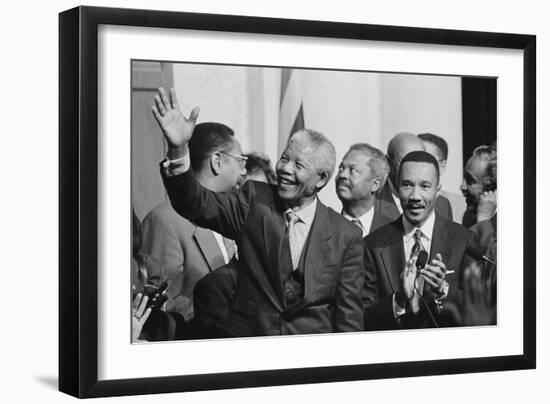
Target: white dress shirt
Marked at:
395, 196
365, 220
221, 244
427, 230
297, 235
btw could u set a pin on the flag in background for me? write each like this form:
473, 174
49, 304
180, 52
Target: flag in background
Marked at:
291, 114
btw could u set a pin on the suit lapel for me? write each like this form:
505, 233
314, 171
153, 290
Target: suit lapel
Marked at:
273, 230
393, 254
318, 250
206, 241
440, 239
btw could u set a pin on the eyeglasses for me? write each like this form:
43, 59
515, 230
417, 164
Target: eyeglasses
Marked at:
239, 157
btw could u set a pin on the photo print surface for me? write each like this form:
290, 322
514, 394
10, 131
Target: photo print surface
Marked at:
274, 201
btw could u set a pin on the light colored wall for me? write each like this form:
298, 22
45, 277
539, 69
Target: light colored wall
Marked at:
245, 99
422, 104
348, 107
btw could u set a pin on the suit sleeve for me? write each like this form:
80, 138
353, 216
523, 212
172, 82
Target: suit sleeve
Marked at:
443, 207
223, 212
348, 310
378, 310
472, 241
159, 240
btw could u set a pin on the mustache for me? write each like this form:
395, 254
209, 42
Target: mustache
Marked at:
343, 182
414, 205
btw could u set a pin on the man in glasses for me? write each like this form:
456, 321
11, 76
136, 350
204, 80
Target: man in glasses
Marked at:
300, 263
182, 252
479, 185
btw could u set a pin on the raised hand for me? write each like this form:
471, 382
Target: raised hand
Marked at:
487, 205
176, 128
140, 314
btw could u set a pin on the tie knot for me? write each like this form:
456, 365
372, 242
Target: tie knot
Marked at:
291, 217
357, 222
418, 235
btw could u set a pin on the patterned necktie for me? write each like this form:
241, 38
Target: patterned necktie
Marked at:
292, 218
357, 222
417, 247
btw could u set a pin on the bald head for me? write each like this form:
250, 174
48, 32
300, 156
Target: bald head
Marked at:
400, 145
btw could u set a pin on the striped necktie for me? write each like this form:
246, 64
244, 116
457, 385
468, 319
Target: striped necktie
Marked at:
292, 218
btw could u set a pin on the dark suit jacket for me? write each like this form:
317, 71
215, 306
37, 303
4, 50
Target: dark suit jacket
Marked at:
385, 260
386, 212
254, 218
212, 298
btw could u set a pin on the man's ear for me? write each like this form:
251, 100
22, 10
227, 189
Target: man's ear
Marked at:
216, 163
442, 167
376, 185
323, 179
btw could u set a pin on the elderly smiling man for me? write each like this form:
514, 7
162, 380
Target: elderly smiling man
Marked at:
300, 263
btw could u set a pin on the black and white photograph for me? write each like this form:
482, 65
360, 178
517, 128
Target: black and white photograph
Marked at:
273, 201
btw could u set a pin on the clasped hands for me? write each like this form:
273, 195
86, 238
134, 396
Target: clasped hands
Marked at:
433, 274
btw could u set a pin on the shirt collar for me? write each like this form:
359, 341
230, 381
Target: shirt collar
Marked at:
427, 228
365, 219
307, 213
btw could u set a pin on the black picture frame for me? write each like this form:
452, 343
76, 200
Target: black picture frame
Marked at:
78, 200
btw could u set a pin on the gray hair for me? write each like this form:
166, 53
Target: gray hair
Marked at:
323, 152
377, 163
489, 155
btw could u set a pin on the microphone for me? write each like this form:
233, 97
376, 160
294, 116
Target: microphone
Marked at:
476, 253
421, 261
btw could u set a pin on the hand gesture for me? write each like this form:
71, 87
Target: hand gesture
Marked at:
434, 274
487, 205
140, 314
408, 277
176, 129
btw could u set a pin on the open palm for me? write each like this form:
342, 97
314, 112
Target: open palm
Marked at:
176, 128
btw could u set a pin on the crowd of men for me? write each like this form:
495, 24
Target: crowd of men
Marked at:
240, 249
